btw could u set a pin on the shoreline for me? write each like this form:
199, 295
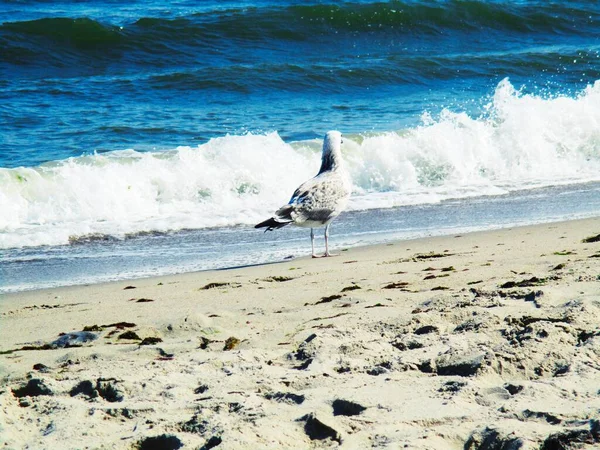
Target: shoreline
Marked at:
194, 250
447, 233
439, 343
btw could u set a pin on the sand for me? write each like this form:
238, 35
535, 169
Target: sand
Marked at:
489, 340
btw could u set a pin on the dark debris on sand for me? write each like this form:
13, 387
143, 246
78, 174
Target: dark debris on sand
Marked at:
591, 239
328, 299
74, 339
216, 285
150, 340
231, 343
132, 335
286, 397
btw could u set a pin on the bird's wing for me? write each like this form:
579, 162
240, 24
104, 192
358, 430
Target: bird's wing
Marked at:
319, 199
302, 192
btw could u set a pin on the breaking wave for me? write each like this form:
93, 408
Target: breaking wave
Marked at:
522, 141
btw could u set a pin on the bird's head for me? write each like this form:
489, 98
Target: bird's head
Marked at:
332, 151
333, 141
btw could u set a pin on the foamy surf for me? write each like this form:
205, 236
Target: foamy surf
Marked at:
522, 141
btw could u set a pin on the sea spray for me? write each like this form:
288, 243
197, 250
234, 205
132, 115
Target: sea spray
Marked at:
521, 142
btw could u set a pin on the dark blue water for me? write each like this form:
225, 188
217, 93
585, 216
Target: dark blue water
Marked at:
79, 77
132, 131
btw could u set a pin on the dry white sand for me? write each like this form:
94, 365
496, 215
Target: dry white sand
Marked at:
482, 341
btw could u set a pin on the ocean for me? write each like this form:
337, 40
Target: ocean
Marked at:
147, 138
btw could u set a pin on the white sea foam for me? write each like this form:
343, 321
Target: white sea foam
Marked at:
521, 142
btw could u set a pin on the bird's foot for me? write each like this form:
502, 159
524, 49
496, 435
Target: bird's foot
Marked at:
326, 255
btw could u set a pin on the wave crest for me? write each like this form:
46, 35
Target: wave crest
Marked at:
80, 32
152, 37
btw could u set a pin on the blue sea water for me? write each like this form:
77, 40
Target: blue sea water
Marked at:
142, 138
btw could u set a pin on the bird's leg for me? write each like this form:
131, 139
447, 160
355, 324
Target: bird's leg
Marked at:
327, 242
312, 242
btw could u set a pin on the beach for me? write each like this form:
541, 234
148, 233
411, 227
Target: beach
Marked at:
484, 340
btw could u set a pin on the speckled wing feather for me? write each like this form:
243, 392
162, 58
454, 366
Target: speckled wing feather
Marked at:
318, 200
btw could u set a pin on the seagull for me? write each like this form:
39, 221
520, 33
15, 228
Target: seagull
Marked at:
319, 200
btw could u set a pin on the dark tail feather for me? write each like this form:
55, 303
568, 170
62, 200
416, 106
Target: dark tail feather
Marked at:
271, 224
